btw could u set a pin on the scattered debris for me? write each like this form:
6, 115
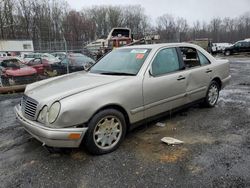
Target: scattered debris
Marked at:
171, 141
244, 84
159, 124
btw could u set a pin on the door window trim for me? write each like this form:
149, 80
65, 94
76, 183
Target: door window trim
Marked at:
169, 73
202, 65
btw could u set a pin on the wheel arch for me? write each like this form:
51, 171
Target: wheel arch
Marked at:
118, 108
218, 80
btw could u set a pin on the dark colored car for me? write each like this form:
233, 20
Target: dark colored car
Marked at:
74, 61
59, 55
15, 72
239, 47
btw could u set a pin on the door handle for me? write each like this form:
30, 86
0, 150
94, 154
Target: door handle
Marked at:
208, 71
181, 78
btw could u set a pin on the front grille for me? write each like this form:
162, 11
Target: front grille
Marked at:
29, 106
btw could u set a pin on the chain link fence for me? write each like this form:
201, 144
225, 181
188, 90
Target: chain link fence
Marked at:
49, 59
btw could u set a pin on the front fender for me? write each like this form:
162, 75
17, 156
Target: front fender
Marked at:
79, 108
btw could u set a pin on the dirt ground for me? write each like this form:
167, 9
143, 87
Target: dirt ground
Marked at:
215, 153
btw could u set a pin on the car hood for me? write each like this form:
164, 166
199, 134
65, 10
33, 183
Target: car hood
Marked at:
67, 85
25, 71
229, 47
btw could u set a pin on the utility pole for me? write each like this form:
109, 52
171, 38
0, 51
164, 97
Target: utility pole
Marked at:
66, 48
66, 51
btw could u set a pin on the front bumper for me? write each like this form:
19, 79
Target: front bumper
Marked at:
49, 136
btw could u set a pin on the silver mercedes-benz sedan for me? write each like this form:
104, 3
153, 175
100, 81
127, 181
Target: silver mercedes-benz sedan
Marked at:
126, 86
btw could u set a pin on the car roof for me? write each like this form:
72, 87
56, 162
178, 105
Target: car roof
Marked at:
156, 46
58, 53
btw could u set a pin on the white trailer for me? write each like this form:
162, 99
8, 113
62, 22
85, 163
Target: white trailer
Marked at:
16, 46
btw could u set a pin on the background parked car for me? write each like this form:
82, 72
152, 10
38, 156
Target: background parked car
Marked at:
76, 62
50, 58
41, 66
239, 47
59, 55
14, 72
220, 47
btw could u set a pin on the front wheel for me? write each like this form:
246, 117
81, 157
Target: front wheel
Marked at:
5, 82
212, 94
227, 53
106, 131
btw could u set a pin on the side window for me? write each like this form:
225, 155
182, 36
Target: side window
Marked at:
203, 59
238, 44
190, 57
35, 62
166, 61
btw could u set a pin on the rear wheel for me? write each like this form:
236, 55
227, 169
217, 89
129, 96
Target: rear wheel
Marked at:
212, 94
106, 131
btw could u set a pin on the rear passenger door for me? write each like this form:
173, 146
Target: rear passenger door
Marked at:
198, 73
245, 46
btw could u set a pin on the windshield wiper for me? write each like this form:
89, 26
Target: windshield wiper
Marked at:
118, 73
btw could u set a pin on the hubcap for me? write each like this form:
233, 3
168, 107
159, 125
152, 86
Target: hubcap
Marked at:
213, 94
107, 132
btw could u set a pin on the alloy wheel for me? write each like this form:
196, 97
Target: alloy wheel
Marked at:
108, 132
213, 94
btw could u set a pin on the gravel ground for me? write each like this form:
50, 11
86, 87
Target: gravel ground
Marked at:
215, 153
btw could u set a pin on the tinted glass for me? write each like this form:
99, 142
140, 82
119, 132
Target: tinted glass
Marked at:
166, 61
238, 44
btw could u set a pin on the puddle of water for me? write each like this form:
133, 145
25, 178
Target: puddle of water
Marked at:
80, 156
174, 156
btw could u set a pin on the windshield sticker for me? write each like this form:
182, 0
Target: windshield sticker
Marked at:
138, 51
139, 56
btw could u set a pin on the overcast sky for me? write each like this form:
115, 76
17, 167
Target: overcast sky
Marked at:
192, 10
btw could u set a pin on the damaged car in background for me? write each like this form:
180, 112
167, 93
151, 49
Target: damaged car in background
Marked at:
15, 72
127, 86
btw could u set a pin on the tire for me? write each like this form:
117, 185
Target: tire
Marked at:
212, 94
106, 131
227, 53
5, 82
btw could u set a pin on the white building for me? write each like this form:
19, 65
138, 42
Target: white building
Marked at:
16, 46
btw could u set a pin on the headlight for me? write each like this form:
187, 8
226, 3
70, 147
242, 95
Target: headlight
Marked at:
42, 115
53, 112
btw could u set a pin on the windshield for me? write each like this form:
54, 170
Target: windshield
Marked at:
127, 61
12, 63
